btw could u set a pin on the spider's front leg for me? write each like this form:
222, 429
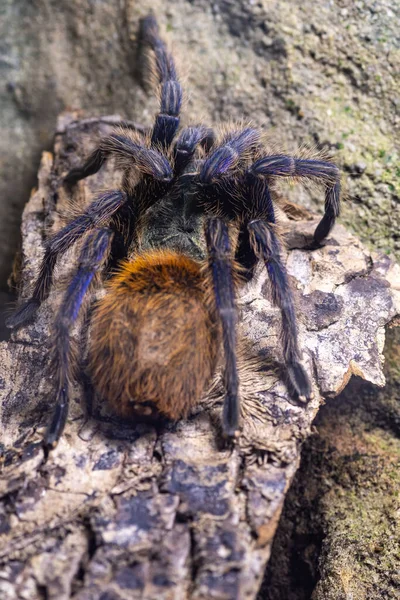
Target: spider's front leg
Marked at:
129, 150
220, 264
266, 247
167, 121
93, 255
128, 146
228, 153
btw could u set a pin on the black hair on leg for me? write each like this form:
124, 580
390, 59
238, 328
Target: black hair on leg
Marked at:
167, 121
98, 213
267, 248
280, 165
93, 254
220, 265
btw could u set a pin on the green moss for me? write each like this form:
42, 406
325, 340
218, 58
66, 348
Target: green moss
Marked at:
360, 512
340, 525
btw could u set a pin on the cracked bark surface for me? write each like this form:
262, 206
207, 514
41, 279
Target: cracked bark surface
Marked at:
125, 511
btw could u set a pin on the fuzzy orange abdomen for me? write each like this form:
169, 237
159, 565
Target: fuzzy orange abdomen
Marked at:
153, 342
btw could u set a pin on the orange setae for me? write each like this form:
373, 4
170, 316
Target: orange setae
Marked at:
154, 336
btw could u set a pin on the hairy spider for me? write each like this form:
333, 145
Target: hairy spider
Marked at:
193, 218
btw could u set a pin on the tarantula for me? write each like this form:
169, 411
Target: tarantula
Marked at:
193, 218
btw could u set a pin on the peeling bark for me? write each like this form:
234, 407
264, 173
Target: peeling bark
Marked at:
125, 511
339, 532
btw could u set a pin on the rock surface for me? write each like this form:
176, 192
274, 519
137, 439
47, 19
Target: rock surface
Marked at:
126, 511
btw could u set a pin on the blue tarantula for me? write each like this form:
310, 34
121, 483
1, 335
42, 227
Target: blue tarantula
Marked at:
193, 217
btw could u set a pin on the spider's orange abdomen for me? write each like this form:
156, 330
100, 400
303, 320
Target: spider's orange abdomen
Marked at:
154, 341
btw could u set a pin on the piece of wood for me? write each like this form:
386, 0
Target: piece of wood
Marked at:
123, 511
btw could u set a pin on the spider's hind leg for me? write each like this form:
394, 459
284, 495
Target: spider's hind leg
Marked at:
221, 268
93, 254
98, 213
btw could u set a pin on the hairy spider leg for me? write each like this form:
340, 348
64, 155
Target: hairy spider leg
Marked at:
280, 165
267, 248
186, 144
256, 204
228, 153
221, 267
98, 214
92, 165
332, 210
131, 151
92, 257
167, 121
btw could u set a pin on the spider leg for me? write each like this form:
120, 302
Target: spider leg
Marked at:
267, 248
130, 151
256, 204
187, 143
92, 164
221, 268
167, 121
98, 213
280, 165
228, 153
93, 254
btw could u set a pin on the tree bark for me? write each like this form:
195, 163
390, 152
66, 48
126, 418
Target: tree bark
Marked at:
125, 511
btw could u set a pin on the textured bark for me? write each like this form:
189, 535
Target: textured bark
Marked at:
325, 72
122, 511
339, 532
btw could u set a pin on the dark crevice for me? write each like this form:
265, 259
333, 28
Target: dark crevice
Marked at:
292, 571
91, 538
194, 562
78, 580
157, 456
43, 592
333, 471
